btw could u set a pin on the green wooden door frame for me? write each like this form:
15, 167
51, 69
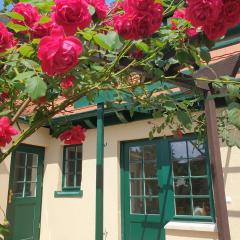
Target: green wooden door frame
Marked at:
38, 199
165, 177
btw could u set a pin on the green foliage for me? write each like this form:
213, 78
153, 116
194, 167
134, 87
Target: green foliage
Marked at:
35, 87
234, 114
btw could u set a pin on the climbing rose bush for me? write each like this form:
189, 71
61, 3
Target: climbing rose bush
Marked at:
6, 39
75, 135
67, 82
57, 53
71, 14
6, 131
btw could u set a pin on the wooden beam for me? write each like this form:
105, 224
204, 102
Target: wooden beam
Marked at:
216, 165
99, 172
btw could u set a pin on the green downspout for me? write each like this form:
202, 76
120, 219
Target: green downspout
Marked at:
99, 172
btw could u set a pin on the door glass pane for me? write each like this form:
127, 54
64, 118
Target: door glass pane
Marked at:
135, 154
152, 206
198, 167
31, 174
180, 167
195, 150
136, 187
19, 174
137, 205
70, 167
150, 169
18, 189
151, 187
78, 179
183, 206
150, 153
69, 180
179, 150
20, 159
79, 166
79, 152
200, 186
201, 207
32, 160
182, 186
135, 170
30, 189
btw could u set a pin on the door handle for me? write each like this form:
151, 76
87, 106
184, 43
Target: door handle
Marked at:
10, 195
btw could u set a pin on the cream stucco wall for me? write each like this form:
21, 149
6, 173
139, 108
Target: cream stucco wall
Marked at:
74, 218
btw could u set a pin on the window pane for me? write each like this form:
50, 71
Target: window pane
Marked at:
20, 159
18, 189
19, 174
183, 206
136, 154
137, 206
179, 150
180, 167
78, 179
182, 186
195, 150
151, 187
32, 160
79, 152
70, 151
136, 187
150, 153
30, 189
79, 166
201, 207
150, 169
152, 206
69, 180
198, 167
31, 174
200, 186
136, 170
70, 167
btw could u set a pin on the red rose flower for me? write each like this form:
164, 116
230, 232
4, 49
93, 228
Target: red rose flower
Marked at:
75, 135
179, 134
4, 96
6, 39
6, 131
215, 29
30, 14
41, 30
201, 12
67, 82
181, 14
135, 24
141, 5
71, 14
58, 53
101, 8
231, 12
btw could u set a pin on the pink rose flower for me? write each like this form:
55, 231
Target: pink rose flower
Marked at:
231, 12
41, 30
6, 131
72, 14
135, 24
215, 29
58, 53
67, 82
30, 14
6, 39
201, 12
75, 135
181, 14
101, 8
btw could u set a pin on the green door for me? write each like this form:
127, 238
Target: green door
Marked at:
25, 193
146, 187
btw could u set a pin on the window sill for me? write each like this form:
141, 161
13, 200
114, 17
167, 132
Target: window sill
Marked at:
188, 226
60, 194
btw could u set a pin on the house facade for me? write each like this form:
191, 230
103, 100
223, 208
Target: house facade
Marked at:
153, 189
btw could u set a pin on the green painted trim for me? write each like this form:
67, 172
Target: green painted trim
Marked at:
61, 194
99, 172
